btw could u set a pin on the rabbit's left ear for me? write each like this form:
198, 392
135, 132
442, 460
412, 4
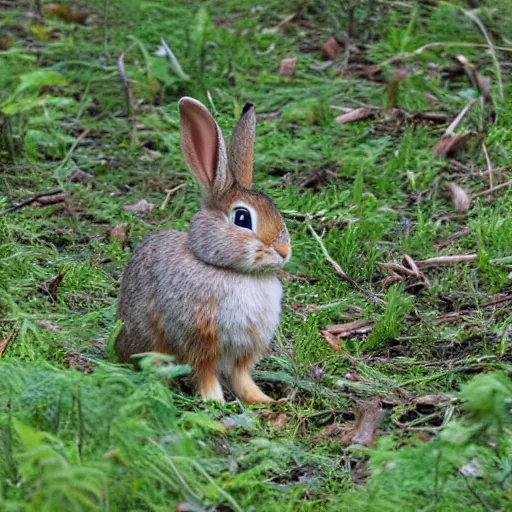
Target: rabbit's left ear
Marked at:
241, 147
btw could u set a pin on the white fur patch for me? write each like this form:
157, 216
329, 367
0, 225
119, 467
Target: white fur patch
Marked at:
247, 318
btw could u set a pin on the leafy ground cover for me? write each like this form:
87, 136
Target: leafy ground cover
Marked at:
408, 410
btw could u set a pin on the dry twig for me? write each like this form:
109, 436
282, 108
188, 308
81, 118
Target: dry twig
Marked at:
32, 199
446, 260
337, 268
493, 189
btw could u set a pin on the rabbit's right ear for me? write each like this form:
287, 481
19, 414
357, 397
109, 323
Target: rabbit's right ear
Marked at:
203, 147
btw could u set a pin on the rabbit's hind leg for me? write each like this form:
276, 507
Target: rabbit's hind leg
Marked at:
243, 384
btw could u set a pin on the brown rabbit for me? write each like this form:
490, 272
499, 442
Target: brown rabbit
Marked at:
211, 296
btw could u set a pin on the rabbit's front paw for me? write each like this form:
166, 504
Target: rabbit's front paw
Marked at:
211, 389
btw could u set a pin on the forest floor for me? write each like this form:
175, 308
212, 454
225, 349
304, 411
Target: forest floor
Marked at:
407, 409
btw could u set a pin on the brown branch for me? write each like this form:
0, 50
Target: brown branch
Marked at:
446, 260
493, 189
32, 199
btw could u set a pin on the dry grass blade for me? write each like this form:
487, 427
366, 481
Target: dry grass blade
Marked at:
129, 96
492, 48
460, 198
489, 165
337, 268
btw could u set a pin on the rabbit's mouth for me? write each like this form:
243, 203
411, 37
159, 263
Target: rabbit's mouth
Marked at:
269, 259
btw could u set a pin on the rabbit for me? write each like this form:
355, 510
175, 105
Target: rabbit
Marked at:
210, 296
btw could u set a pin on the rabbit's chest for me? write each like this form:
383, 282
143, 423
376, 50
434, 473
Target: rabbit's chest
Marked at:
248, 316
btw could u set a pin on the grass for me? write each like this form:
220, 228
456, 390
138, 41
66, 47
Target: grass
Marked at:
103, 437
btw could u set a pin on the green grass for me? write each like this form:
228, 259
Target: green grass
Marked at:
115, 439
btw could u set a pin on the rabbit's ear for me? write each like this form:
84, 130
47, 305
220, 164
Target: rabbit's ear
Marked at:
203, 147
241, 147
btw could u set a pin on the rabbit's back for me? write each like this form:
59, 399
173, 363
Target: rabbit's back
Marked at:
169, 299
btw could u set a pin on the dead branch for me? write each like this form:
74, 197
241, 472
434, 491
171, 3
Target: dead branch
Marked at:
446, 260
493, 189
36, 197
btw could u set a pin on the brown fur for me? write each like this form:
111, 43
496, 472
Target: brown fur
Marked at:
203, 350
243, 384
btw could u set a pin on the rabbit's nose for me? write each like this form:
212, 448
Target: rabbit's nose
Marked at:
283, 249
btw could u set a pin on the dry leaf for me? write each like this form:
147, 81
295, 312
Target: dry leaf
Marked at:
448, 144
480, 82
150, 154
369, 417
472, 469
51, 287
140, 207
79, 362
280, 421
51, 326
287, 66
79, 176
356, 114
118, 233
5, 342
460, 198
71, 14
392, 88
331, 48
353, 376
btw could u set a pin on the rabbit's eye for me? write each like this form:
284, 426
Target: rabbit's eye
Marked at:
242, 218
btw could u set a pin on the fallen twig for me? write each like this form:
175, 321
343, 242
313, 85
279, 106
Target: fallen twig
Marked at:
493, 189
337, 268
446, 260
32, 199
170, 193
408, 55
129, 96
